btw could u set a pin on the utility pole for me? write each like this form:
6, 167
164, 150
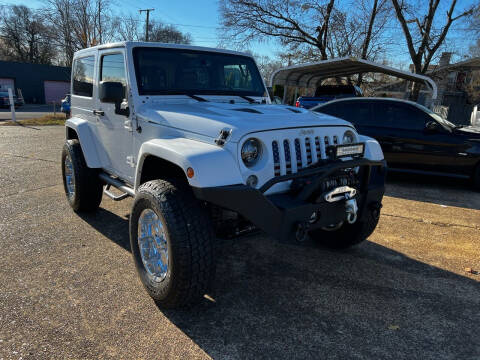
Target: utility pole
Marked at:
146, 25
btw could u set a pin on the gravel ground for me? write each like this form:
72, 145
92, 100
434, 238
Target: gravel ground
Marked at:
68, 287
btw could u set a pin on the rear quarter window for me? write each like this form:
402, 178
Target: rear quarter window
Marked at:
82, 76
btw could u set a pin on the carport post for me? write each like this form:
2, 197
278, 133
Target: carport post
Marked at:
284, 100
12, 104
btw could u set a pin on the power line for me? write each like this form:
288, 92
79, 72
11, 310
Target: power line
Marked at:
146, 25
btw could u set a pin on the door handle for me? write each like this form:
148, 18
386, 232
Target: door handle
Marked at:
98, 112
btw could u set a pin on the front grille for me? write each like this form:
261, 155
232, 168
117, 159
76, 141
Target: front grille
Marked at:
291, 155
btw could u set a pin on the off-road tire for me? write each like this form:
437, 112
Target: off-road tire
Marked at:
476, 177
190, 242
349, 234
88, 187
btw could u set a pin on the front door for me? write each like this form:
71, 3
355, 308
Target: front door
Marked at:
115, 130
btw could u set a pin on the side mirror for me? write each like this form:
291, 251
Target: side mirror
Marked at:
114, 92
111, 92
432, 126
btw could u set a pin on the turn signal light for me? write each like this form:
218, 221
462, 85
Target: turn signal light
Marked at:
190, 172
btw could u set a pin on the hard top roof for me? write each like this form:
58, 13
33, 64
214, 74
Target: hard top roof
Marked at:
132, 44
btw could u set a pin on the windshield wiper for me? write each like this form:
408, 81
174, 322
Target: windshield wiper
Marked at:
198, 98
248, 98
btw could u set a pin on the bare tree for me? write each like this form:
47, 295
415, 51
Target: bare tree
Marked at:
311, 30
80, 24
267, 66
24, 36
167, 34
130, 28
302, 27
423, 39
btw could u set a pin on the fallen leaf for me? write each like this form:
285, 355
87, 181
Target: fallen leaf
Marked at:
393, 327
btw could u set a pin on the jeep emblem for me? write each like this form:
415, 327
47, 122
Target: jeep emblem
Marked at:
306, 132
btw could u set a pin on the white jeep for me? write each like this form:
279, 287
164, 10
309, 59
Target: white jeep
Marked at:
191, 134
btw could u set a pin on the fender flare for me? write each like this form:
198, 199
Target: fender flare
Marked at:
86, 139
212, 165
373, 150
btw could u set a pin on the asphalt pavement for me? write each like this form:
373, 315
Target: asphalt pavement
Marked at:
69, 290
28, 111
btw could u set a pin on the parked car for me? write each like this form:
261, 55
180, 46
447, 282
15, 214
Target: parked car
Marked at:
413, 137
5, 100
65, 106
326, 93
196, 146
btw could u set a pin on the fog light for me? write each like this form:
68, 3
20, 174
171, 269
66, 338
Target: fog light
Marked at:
252, 181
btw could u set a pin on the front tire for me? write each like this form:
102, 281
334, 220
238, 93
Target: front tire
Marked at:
82, 186
348, 235
476, 177
171, 238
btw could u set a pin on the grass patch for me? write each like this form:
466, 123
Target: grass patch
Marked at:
50, 119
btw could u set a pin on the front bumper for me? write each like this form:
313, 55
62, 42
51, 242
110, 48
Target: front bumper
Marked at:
280, 214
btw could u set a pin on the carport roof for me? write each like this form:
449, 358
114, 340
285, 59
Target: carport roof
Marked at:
310, 74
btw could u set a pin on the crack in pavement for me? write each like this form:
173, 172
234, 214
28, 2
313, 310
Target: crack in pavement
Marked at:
29, 190
31, 158
437, 223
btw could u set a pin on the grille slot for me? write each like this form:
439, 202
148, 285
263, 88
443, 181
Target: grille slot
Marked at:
288, 159
298, 154
308, 150
276, 158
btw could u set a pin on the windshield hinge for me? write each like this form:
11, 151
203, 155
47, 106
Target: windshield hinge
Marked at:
223, 136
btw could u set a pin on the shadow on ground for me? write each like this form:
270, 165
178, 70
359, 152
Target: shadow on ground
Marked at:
433, 189
287, 301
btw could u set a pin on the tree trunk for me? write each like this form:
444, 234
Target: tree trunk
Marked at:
416, 85
415, 91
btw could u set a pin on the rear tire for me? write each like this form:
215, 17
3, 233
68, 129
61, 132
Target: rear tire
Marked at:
349, 234
177, 270
82, 185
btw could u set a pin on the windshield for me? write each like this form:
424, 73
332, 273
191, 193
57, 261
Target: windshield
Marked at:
161, 71
437, 117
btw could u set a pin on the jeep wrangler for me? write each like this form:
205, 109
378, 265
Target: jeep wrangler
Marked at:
190, 133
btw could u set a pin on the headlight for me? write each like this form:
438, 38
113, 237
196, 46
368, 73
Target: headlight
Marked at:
348, 137
251, 151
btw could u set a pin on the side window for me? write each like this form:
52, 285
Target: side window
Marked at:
358, 113
113, 69
328, 109
83, 69
399, 116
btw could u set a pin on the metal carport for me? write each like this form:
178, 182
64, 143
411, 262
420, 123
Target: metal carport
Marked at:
310, 75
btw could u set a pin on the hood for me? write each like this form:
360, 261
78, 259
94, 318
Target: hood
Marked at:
208, 118
470, 131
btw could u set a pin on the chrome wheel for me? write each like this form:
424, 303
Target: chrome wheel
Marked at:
69, 176
153, 245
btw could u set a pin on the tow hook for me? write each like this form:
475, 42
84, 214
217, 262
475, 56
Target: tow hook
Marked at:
351, 208
301, 234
